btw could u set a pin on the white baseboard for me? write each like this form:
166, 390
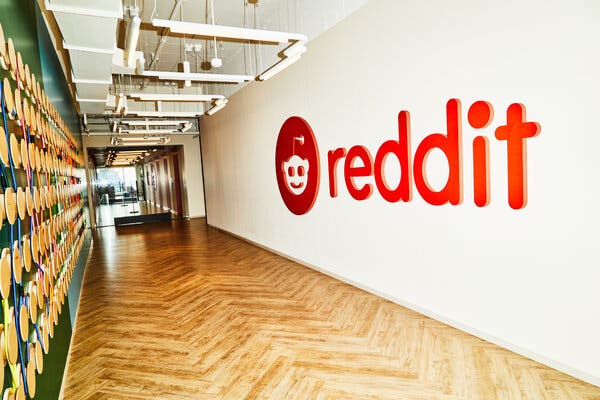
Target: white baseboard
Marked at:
584, 376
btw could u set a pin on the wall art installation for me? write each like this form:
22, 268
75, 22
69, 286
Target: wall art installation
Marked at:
42, 219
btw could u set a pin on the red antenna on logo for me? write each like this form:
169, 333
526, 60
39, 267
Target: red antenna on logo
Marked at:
298, 138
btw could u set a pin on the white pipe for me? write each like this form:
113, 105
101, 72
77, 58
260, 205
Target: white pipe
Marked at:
133, 35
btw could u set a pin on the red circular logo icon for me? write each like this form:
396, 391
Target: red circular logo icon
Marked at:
297, 165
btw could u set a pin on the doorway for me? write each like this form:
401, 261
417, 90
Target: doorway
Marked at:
135, 185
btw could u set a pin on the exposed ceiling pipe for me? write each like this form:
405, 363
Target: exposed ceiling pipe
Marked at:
162, 40
133, 34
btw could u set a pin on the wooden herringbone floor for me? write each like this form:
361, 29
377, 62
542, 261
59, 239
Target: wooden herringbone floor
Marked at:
182, 311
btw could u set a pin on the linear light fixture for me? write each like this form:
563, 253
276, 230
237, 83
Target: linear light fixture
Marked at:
277, 68
142, 143
149, 139
175, 97
295, 49
153, 123
133, 35
198, 77
229, 32
106, 13
219, 104
149, 131
168, 114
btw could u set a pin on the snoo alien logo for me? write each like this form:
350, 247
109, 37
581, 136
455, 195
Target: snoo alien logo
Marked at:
297, 165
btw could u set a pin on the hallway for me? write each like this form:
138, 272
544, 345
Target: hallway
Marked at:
184, 311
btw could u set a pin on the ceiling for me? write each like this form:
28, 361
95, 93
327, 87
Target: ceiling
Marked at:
119, 157
91, 56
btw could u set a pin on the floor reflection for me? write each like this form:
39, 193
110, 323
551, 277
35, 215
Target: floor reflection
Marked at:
105, 213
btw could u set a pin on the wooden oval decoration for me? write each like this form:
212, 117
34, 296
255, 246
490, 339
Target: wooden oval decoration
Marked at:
42, 161
5, 274
36, 199
39, 286
35, 248
39, 358
26, 253
17, 263
20, 394
2, 349
34, 119
32, 159
38, 160
30, 373
15, 150
18, 105
33, 89
29, 201
10, 205
9, 100
42, 239
43, 197
2, 210
4, 148
12, 349
4, 61
45, 338
33, 303
21, 69
21, 206
49, 162
10, 48
24, 156
26, 77
47, 238
24, 322
26, 112
38, 90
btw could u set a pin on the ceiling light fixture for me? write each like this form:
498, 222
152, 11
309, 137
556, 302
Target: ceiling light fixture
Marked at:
229, 32
219, 104
168, 114
277, 68
175, 97
198, 77
148, 138
153, 123
149, 131
297, 48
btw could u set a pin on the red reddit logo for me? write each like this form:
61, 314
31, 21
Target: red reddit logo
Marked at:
297, 165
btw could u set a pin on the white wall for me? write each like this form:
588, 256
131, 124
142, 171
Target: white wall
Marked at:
525, 279
193, 186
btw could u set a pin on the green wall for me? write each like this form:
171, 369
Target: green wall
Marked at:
22, 21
